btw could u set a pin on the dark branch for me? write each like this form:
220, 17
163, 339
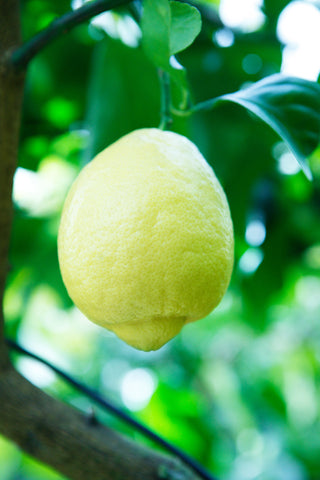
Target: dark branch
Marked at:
22, 56
106, 404
63, 438
11, 91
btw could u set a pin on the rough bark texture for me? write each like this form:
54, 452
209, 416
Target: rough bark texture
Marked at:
45, 428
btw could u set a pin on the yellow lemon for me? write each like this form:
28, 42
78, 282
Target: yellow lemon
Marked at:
146, 239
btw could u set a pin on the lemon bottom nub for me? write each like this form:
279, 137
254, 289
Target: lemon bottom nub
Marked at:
149, 335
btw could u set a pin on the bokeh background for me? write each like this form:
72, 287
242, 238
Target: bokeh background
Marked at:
239, 391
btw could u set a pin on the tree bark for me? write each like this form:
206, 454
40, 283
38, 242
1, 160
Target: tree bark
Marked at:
65, 439
45, 428
11, 92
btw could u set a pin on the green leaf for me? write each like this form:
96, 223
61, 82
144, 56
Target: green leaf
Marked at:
155, 26
121, 98
185, 26
168, 28
291, 106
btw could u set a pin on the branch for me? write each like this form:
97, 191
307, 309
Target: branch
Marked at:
11, 92
107, 405
22, 56
65, 439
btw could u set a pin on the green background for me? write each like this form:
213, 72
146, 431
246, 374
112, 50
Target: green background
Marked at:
239, 390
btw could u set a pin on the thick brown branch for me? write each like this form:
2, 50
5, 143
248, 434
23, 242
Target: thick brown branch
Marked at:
11, 91
110, 407
61, 437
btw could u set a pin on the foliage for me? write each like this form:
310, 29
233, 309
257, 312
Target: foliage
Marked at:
239, 390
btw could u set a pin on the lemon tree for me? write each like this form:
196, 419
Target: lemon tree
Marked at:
146, 238
138, 258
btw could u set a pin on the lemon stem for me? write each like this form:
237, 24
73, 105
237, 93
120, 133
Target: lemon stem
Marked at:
205, 106
166, 119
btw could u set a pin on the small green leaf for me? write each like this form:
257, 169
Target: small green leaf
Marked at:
155, 24
185, 26
291, 106
167, 28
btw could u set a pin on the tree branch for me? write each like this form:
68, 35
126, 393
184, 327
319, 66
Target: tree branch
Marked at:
110, 407
11, 92
61, 437
22, 56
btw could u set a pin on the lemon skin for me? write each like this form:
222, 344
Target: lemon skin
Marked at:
145, 241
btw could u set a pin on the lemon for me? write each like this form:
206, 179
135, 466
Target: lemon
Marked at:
146, 239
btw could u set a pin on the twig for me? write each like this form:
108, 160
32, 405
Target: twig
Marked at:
106, 404
22, 55
205, 106
166, 119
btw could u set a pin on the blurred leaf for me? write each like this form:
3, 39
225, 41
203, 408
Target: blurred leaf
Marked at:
124, 94
34, 470
273, 8
178, 415
60, 112
291, 106
185, 26
269, 277
155, 26
9, 458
